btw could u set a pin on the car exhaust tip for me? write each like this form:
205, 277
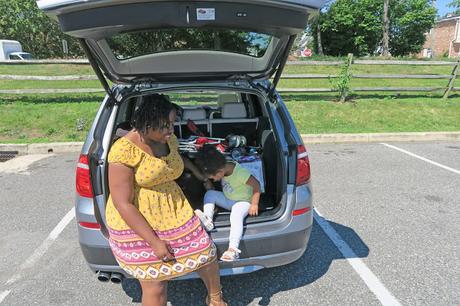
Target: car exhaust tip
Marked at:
116, 278
103, 276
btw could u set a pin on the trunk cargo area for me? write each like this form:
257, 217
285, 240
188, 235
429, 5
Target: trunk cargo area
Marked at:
239, 126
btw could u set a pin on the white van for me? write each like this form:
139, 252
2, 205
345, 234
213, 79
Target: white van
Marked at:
12, 50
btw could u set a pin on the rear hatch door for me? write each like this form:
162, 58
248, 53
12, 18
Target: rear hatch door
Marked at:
184, 40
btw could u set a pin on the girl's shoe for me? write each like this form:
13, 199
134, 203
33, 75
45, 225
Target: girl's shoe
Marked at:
230, 255
205, 220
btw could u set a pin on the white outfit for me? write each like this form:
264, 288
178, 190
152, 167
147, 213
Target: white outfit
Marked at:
239, 211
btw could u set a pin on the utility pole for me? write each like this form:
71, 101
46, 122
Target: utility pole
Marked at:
386, 28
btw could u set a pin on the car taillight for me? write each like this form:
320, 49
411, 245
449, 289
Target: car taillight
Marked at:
303, 166
83, 181
300, 211
90, 225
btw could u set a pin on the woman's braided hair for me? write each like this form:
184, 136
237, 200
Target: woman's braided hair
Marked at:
153, 113
210, 160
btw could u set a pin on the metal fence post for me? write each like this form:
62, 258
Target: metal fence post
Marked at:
451, 80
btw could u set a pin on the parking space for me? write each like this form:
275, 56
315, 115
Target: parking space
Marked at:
34, 198
398, 215
403, 208
442, 152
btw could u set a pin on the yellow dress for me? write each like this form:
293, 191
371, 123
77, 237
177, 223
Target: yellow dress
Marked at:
162, 203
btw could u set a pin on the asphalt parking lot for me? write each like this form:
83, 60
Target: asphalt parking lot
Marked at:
386, 232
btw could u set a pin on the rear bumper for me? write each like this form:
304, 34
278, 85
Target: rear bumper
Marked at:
264, 245
294, 245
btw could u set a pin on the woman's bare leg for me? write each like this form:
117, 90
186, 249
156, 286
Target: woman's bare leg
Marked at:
211, 278
154, 293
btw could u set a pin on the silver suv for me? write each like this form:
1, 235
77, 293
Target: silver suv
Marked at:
214, 60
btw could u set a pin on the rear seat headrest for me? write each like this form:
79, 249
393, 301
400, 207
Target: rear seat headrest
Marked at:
233, 110
227, 98
194, 114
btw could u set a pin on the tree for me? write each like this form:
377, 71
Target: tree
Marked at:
125, 45
350, 26
355, 26
410, 20
456, 5
386, 29
22, 21
318, 39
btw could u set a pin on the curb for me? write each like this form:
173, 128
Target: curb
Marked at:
381, 137
43, 148
74, 147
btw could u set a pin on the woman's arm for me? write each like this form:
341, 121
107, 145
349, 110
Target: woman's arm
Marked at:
188, 164
254, 183
121, 180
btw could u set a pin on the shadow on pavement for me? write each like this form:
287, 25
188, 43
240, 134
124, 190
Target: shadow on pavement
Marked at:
263, 284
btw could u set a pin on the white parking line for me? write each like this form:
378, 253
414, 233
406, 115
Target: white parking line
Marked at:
422, 158
4, 294
39, 251
373, 283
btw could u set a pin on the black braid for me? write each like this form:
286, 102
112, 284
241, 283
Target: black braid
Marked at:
153, 113
210, 160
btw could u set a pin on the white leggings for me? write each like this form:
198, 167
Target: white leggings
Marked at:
239, 211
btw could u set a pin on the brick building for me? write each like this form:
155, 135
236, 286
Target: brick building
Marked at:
443, 39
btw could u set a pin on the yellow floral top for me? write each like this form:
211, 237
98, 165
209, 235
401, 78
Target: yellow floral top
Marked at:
157, 196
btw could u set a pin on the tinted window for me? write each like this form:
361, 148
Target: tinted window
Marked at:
26, 56
133, 44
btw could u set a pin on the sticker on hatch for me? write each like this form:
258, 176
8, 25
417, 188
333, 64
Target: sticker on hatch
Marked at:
205, 14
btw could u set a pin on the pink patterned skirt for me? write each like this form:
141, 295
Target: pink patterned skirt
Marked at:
191, 246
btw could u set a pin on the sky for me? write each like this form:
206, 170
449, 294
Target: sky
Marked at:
441, 5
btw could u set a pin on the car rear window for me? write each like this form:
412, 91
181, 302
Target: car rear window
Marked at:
134, 44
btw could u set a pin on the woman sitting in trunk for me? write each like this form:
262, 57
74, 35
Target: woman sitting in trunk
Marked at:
154, 233
241, 193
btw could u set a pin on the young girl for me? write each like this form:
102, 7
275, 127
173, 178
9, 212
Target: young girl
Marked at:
241, 193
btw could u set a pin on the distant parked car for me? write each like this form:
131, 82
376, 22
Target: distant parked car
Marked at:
21, 56
215, 59
12, 50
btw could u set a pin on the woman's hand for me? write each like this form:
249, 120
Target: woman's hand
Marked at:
121, 180
208, 185
162, 250
189, 165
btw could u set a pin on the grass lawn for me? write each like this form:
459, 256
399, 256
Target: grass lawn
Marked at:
46, 118
55, 69
67, 117
325, 83
308, 83
373, 114
14, 84
290, 69
49, 69
369, 69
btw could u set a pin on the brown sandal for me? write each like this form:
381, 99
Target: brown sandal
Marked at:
215, 299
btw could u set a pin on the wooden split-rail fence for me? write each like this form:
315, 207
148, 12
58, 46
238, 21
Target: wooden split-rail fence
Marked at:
447, 89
